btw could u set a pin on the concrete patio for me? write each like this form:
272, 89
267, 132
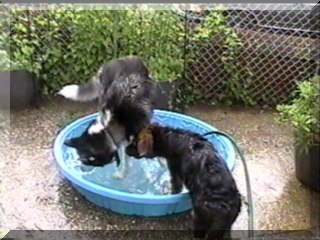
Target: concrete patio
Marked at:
35, 197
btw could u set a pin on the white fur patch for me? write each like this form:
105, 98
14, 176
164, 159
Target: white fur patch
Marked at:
100, 123
107, 118
100, 71
96, 128
70, 91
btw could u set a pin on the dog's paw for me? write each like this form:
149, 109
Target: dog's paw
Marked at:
69, 91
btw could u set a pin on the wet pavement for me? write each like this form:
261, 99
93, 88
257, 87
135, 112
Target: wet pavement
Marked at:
35, 196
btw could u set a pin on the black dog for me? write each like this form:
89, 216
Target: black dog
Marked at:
126, 110
193, 161
97, 149
105, 76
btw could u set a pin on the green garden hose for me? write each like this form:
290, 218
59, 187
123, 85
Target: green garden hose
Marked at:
248, 186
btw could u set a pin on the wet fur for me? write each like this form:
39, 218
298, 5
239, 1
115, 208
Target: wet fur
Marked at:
105, 76
89, 145
131, 102
194, 162
128, 95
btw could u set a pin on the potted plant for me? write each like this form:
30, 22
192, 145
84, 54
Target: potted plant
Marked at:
19, 88
303, 114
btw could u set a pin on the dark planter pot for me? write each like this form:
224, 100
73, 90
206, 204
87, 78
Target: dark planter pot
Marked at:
166, 95
307, 166
18, 89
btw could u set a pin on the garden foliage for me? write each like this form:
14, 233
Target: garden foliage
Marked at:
68, 46
303, 114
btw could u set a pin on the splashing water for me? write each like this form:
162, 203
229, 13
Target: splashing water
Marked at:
143, 176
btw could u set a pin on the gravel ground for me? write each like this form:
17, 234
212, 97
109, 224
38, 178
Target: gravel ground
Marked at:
34, 196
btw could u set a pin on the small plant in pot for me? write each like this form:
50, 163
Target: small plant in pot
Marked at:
19, 88
303, 114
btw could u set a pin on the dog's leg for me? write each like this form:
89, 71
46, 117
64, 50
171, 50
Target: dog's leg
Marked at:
124, 159
177, 184
220, 223
200, 228
218, 234
176, 181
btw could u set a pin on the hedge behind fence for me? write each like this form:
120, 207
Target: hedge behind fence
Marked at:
68, 46
231, 56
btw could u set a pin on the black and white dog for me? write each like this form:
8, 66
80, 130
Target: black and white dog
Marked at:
127, 96
193, 161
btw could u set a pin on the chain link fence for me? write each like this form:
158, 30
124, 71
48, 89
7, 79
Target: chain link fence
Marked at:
278, 50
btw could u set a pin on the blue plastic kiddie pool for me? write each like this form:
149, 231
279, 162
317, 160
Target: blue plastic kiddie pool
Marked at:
118, 197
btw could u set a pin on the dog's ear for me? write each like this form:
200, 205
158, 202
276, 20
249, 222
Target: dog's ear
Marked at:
73, 142
145, 142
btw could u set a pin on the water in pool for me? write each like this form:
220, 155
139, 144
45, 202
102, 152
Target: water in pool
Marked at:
143, 176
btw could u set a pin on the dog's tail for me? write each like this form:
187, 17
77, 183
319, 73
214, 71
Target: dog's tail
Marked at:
85, 92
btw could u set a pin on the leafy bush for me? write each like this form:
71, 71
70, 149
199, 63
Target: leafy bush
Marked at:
303, 114
157, 37
68, 46
8, 65
213, 31
167, 53
20, 61
4, 60
78, 43
62, 45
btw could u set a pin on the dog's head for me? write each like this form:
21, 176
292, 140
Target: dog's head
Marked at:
95, 146
142, 145
129, 101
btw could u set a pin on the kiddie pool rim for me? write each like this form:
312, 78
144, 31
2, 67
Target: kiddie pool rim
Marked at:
75, 178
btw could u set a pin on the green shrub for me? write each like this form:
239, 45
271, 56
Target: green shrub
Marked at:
21, 59
214, 33
303, 114
68, 46
158, 37
77, 45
